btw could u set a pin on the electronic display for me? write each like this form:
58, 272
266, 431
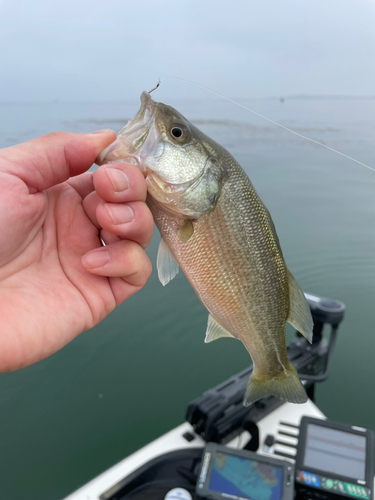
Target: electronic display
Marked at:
245, 478
336, 458
243, 475
331, 450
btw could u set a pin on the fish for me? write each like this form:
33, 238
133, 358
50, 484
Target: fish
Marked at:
214, 227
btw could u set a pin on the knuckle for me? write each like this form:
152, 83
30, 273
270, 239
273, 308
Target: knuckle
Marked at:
143, 214
142, 225
142, 267
146, 217
137, 180
145, 270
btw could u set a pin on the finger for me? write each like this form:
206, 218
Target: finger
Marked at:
83, 184
124, 259
90, 204
128, 220
120, 182
53, 158
132, 221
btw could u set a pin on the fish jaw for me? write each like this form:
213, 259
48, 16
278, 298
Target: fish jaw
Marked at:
136, 140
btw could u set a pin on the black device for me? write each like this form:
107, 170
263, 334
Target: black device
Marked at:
334, 461
243, 475
219, 414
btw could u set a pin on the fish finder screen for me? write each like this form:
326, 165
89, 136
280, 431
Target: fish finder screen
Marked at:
245, 478
339, 452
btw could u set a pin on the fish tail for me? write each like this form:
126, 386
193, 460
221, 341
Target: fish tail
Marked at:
287, 387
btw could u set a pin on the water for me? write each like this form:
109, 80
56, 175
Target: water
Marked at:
126, 381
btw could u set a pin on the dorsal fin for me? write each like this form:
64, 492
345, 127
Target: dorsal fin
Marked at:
215, 331
166, 265
299, 311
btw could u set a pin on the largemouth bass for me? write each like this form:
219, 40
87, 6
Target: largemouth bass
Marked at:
214, 227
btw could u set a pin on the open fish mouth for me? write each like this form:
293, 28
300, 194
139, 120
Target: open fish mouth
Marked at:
136, 140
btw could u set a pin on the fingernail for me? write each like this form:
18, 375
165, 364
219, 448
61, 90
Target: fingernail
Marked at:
118, 178
102, 131
96, 258
120, 214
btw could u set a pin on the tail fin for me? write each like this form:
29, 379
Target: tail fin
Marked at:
287, 387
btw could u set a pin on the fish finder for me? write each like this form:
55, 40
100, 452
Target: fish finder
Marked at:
228, 473
334, 461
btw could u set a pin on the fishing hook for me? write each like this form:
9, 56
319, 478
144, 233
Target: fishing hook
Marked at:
159, 82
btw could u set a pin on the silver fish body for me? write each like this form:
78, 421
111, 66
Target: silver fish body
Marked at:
216, 229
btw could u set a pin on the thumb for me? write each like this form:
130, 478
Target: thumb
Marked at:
53, 158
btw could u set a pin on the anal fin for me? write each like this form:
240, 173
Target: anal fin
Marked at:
299, 311
166, 265
215, 331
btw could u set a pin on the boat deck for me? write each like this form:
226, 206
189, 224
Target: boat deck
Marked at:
173, 440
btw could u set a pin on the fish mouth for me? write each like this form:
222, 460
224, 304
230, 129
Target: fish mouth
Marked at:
136, 140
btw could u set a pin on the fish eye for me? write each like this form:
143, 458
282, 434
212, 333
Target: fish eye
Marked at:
176, 132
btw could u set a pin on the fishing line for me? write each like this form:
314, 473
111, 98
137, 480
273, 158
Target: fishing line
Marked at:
264, 118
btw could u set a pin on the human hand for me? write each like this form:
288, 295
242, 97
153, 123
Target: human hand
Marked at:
56, 280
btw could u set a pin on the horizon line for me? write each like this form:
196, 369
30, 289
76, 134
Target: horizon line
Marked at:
280, 97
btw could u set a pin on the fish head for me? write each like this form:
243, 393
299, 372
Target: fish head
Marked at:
182, 170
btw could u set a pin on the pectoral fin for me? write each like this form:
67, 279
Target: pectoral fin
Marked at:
215, 331
299, 311
165, 263
186, 230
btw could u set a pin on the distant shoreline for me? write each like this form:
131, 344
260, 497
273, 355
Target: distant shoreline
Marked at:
282, 98
328, 97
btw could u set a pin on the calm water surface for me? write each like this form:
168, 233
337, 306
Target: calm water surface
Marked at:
126, 381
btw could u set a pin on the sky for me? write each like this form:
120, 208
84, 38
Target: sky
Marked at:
80, 50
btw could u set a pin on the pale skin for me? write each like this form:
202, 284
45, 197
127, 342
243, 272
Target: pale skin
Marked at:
56, 280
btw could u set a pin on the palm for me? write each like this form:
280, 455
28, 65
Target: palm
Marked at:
53, 283
47, 296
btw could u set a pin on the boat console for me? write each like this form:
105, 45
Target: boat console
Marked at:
334, 461
329, 461
271, 450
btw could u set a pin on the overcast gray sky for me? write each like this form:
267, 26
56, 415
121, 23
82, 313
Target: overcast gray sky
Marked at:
112, 49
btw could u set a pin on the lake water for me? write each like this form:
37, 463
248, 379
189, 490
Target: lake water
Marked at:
128, 380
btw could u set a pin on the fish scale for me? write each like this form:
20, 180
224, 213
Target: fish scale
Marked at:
216, 229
